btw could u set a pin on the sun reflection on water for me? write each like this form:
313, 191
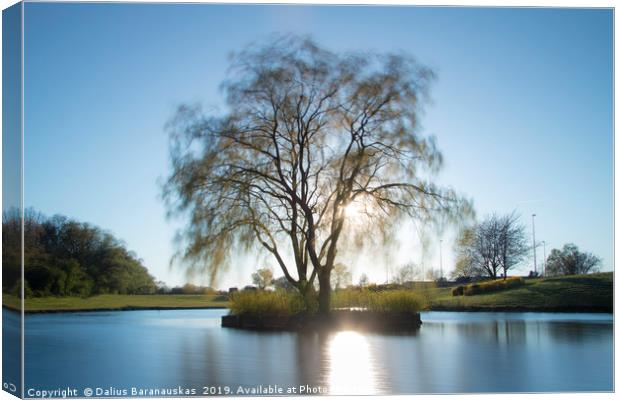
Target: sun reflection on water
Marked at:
352, 369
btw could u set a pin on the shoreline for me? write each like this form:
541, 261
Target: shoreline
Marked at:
475, 309
521, 309
109, 309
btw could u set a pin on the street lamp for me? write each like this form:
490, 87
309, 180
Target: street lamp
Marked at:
534, 242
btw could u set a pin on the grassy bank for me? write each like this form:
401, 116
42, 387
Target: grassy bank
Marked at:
569, 293
580, 293
116, 302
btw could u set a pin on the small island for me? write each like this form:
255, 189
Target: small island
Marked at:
396, 307
353, 308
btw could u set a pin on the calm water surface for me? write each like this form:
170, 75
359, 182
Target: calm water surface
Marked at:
451, 353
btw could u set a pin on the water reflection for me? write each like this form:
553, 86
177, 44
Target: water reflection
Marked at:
11, 347
352, 367
452, 353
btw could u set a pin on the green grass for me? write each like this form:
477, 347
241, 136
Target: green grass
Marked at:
116, 302
380, 301
266, 303
569, 293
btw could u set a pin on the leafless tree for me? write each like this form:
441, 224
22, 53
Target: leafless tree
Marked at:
512, 242
263, 278
407, 273
570, 261
434, 275
363, 281
307, 135
491, 247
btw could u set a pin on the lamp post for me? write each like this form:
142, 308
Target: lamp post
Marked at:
534, 242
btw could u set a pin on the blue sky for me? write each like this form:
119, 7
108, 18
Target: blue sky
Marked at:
522, 108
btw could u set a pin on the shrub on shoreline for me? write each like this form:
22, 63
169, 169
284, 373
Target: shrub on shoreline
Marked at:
471, 290
489, 286
458, 291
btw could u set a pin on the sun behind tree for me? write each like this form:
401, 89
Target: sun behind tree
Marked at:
307, 134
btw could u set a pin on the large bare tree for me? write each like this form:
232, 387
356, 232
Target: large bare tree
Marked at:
493, 246
307, 136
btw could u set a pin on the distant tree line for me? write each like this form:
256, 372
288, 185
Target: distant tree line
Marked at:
64, 257
488, 249
263, 278
188, 288
498, 244
408, 275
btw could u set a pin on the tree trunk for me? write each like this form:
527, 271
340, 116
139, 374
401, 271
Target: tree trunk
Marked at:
308, 294
325, 292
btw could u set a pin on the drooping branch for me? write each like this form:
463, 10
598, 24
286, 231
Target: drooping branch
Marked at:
306, 133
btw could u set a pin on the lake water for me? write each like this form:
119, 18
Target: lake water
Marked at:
451, 353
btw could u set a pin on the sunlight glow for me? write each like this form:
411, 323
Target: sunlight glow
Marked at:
351, 365
358, 212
